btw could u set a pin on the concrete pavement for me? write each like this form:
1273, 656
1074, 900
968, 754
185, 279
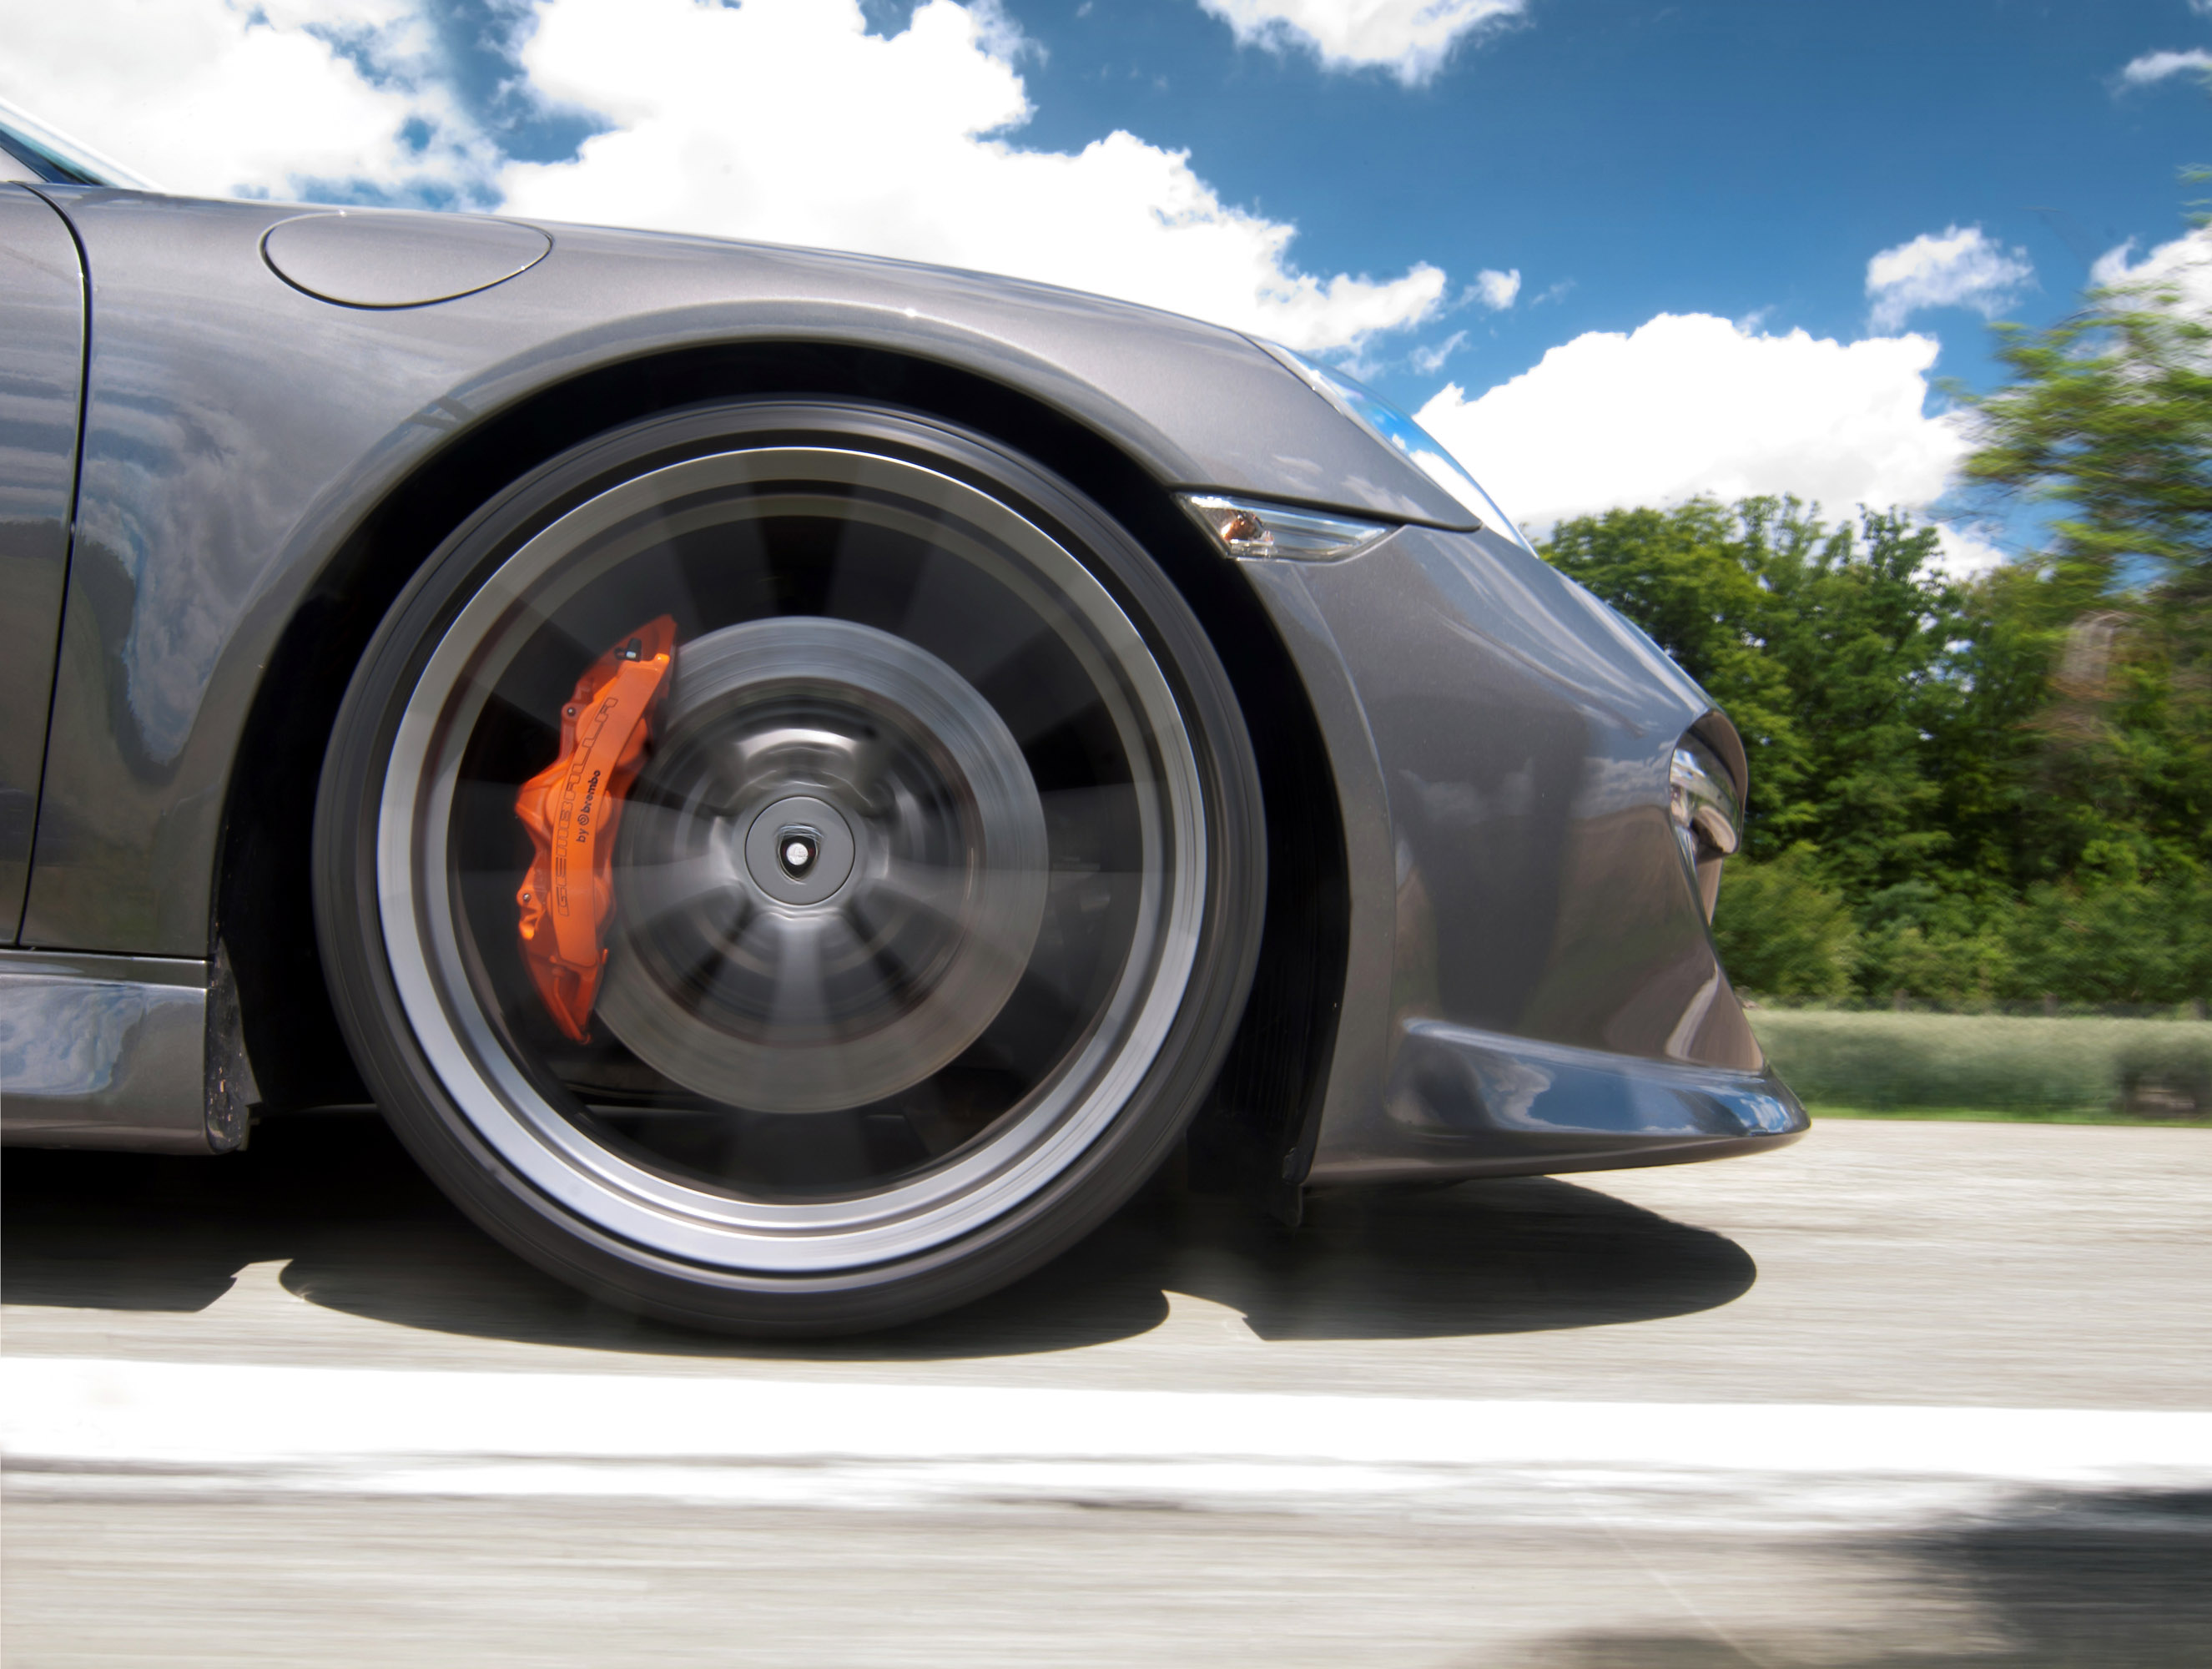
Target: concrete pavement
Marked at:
1488, 1475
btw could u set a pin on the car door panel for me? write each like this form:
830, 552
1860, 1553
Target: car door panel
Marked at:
42, 336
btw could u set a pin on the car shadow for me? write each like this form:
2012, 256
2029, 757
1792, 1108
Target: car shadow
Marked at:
360, 1229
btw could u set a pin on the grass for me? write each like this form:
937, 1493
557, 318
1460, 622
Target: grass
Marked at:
2071, 1070
2002, 1116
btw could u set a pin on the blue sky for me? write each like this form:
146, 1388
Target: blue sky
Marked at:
1734, 158
1615, 251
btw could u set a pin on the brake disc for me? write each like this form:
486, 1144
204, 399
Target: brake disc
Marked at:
832, 872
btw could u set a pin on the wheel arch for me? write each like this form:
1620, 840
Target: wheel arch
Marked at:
1261, 1119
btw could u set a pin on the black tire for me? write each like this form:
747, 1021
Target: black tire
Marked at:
636, 1170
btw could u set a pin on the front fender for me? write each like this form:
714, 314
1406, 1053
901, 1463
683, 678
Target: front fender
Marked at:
239, 431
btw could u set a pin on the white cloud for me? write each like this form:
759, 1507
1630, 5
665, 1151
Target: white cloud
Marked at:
224, 96
1496, 291
781, 120
1957, 267
1691, 404
2157, 66
2182, 268
1409, 38
1964, 552
1427, 362
786, 120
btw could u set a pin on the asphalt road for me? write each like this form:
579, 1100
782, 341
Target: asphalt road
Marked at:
1905, 1394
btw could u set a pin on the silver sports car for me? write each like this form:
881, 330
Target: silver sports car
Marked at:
796, 782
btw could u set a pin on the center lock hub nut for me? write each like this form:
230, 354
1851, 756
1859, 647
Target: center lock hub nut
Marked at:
796, 849
799, 850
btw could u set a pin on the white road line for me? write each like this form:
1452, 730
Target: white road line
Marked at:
77, 1423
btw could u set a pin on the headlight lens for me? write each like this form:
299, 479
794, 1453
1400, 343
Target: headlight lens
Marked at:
1387, 424
1708, 814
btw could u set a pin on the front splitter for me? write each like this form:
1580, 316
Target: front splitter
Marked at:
1460, 1102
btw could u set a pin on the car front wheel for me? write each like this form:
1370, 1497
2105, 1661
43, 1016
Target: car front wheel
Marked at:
789, 867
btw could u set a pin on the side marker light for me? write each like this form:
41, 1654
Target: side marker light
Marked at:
1245, 527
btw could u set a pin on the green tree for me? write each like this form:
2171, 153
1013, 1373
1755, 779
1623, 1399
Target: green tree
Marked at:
2108, 415
1834, 650
1926, 818
2112, 937
2107, 419
1971, 792
1783, 931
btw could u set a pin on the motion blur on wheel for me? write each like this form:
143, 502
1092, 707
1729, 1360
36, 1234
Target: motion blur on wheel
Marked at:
790, 867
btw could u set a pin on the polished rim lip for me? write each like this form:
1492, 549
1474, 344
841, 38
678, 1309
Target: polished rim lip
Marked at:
1066, 1114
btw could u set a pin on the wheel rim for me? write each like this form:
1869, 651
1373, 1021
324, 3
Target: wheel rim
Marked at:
931, 1014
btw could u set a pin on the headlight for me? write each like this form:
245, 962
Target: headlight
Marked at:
1387, 424
1708, 815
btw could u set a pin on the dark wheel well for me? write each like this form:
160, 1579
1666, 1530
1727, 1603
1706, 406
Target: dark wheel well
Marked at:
1256, 1131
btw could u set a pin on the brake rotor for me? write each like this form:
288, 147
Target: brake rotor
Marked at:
831, 875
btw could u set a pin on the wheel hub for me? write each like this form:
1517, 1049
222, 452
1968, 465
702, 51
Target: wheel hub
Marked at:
799, 850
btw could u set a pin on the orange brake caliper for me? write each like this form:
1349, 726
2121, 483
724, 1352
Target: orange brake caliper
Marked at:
571, 809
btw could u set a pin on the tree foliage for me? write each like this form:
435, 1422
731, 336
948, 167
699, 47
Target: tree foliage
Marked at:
1964, 793
1932, 814
1841, 654
2108, 415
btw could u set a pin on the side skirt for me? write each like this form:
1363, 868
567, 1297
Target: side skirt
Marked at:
132, 1052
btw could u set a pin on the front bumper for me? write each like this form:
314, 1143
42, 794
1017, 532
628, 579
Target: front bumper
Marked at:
1530, 983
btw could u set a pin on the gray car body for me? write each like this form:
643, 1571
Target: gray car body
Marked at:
1519, 976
